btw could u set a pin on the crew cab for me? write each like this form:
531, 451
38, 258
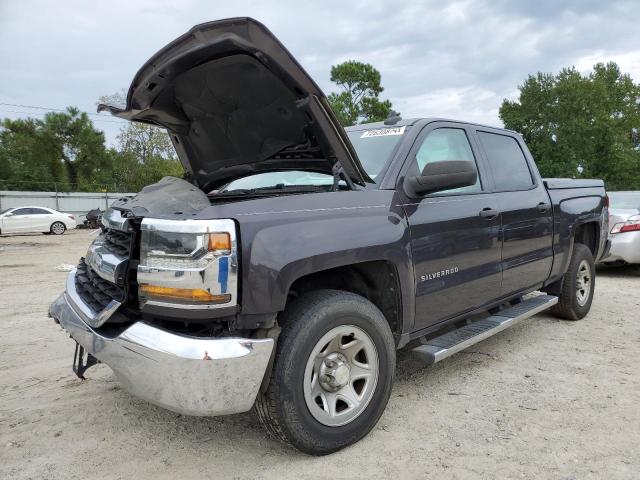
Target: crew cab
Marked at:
295, 257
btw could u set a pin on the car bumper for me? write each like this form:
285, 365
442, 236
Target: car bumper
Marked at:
188, 375
625, 247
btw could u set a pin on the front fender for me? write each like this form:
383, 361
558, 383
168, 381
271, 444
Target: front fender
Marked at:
301, 235
281, 255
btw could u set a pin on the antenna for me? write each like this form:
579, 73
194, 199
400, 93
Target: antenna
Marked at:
393, 118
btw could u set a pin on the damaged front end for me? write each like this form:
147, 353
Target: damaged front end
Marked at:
188, 375
150, 300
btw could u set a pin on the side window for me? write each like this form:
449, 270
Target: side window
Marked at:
444, 144
507, 162
38, 211
21, 211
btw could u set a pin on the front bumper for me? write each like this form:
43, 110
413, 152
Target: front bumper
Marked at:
188, 375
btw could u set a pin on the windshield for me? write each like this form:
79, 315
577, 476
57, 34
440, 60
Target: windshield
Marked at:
373, 146
273, 179
5, 211
624, 200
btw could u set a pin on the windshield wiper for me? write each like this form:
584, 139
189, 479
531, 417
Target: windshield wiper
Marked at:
279, 188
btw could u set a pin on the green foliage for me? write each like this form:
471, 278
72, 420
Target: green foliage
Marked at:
64, 151
63, 147
130, 174
581, 126
358, 102
142, 140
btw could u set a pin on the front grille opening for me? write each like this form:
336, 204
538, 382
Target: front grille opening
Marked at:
94, 290
118, 242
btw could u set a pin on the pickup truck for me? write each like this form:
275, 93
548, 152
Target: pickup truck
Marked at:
295, 257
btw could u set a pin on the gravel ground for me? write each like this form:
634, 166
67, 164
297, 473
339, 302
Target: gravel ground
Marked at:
544, 399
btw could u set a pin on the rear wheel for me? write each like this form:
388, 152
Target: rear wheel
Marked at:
578, 285
332, 374
57, 228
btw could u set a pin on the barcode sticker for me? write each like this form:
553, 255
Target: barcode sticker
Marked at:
382, 132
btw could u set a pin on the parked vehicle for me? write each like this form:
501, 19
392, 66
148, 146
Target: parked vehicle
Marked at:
624, 219
295, 257
93, 218
36, 219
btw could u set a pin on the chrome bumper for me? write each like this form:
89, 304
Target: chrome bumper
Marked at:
188, 375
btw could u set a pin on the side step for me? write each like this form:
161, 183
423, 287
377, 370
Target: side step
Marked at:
445, 345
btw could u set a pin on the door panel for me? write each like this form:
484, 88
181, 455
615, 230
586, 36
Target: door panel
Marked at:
455, 240
456, 255
40, 220
527, 217
9, 224
527, 233
18, 222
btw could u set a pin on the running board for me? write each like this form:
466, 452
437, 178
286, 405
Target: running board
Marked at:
439, 348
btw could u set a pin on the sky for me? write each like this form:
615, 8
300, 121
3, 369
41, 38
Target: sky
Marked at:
456, 59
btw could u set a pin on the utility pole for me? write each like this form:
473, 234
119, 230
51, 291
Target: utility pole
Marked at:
55, 185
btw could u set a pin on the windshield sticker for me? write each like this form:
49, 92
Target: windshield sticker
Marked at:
382, 132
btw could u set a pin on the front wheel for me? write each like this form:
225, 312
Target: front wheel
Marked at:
578, 285
332, 374
57, 228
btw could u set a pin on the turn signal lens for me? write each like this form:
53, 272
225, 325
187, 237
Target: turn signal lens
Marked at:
187, 294
220, 242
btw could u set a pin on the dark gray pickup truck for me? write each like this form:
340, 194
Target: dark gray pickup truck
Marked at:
295, 257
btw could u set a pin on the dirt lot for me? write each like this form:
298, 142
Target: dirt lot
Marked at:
545, 399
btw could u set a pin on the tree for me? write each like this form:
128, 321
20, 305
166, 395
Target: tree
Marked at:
140, 139
358, 101
581, 126
63, 147
144, 153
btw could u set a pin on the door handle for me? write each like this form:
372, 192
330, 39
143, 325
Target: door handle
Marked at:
543, 207
489, 213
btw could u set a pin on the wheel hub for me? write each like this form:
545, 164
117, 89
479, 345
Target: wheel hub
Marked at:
341, 375
334, 372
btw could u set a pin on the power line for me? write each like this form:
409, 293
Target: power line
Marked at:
44, 113
52, 109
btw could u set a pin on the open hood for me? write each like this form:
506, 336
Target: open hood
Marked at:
236, 102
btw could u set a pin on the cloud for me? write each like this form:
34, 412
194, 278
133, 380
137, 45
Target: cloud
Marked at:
454, 59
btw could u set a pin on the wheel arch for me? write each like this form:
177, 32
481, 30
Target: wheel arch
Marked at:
377, 280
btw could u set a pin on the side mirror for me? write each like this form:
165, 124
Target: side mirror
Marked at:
8, 214
440, 176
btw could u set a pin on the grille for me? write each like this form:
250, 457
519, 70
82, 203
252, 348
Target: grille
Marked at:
94, 290
118, 242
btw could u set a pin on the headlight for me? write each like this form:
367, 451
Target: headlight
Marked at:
182, 250
188, 263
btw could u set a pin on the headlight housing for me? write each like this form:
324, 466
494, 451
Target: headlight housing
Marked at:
188, 263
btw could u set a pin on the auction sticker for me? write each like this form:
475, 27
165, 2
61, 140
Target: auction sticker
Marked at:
383, 132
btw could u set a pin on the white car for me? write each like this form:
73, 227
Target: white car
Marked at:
624, 220
36, 219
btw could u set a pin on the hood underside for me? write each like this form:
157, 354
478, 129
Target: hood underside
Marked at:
236, 102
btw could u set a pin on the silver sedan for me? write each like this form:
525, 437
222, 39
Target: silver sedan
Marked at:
624, 220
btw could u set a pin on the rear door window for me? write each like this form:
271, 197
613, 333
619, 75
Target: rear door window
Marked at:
39, 211
507, 162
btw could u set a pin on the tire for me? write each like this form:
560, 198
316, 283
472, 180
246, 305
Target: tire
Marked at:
574, 303
57, 228
287, 409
